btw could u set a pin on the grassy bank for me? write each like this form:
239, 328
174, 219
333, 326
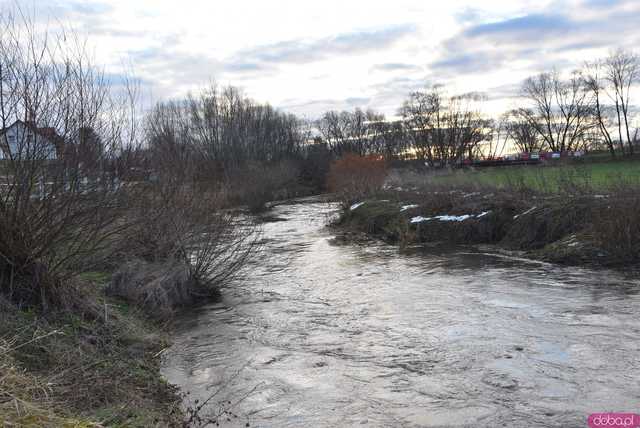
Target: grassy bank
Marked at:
570, 220
553, 178
94, 363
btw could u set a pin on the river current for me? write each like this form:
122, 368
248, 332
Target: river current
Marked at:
322, 334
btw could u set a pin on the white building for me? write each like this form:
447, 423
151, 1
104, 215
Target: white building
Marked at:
25, 141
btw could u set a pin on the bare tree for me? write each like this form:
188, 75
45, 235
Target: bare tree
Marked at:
622, 72
523, 133
560, 111
360, 132
443, 128
496, 140
389, 139
596, 83
62, 131
231, 129
610, 81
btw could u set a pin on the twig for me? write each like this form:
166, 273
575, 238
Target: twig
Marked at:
8, 351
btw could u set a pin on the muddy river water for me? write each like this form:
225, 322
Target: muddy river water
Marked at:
320, 334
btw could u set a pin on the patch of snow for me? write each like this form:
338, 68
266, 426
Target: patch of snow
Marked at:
356, 206
408, 207
420, 219
453, 217
446, 217
524, 213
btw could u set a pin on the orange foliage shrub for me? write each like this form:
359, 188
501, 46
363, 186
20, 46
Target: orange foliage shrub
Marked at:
356, 176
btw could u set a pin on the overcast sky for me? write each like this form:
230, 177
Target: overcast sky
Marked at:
310, 56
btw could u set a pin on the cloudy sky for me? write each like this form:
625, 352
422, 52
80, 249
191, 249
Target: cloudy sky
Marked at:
310, 56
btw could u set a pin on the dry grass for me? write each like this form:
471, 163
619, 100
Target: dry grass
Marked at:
616, 225
80, 370
159, 288
26, 400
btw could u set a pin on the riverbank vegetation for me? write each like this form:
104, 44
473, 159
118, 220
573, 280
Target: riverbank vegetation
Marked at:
562, 216
107, 228
94, 363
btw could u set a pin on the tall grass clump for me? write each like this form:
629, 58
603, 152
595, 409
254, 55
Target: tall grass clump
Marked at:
616, 225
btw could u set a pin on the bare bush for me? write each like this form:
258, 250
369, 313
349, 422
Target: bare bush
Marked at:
77, 187
185, 244
354, 177
62, 133
257, 184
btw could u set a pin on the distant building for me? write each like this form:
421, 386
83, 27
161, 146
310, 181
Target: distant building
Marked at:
25, 141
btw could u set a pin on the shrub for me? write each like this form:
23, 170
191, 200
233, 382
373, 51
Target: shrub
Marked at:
60, 196
315, 167
354, 177
257, 184
185, 244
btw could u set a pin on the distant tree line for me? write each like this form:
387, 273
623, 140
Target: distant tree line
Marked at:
590, 109
223, 130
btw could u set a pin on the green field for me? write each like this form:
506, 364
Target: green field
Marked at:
548, 178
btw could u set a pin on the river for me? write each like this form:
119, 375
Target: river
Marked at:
319, 334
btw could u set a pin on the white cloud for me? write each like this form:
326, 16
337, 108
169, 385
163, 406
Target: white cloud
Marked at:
310, 56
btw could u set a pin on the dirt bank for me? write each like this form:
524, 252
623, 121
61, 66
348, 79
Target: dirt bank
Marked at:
557, 228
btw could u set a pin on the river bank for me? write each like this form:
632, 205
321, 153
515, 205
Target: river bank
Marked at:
94, 363
93, 359
585, 229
